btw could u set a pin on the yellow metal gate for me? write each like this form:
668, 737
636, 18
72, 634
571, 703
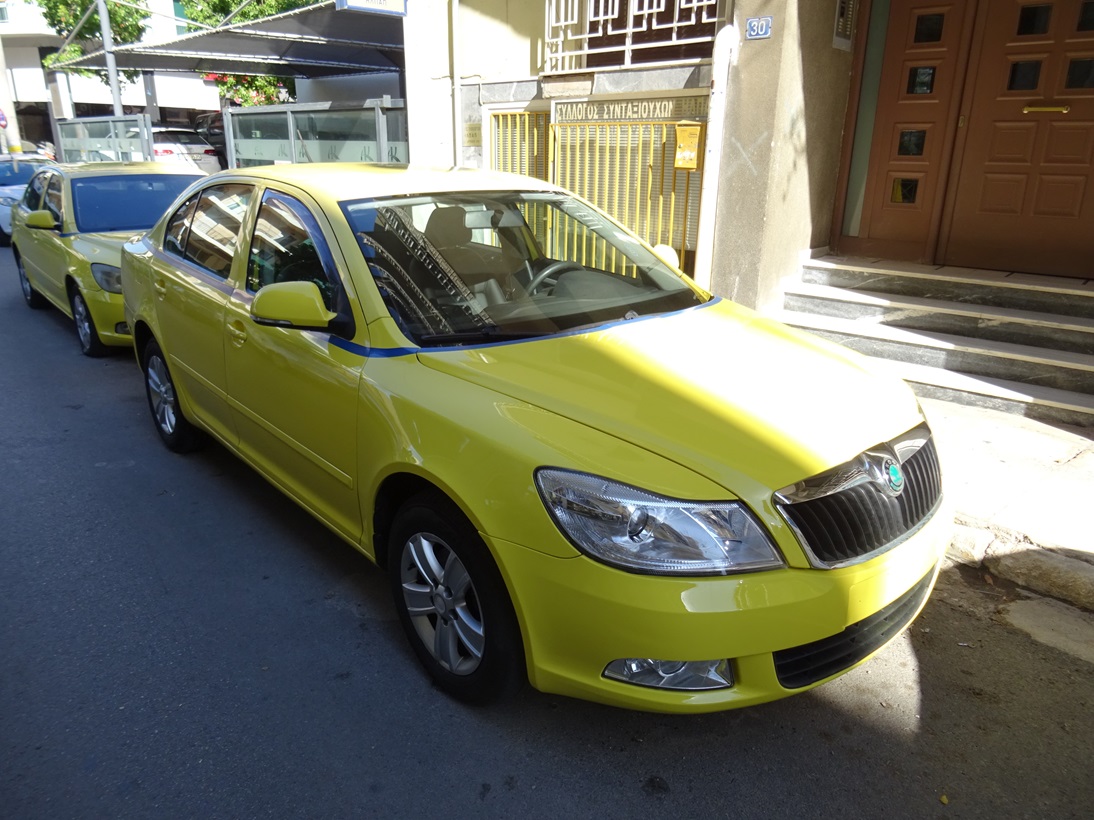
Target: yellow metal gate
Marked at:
520, 143
626, 168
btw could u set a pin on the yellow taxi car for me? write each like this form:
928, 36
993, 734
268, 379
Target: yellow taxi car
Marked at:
578, 468
67, 233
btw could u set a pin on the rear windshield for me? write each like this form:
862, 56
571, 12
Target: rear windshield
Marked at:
178, 138
130, 202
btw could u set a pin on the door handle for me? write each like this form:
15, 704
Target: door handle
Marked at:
1046, 109
160, 287
237, 332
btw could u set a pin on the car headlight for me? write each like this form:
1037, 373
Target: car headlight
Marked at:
8, 201
109, 277
641, 532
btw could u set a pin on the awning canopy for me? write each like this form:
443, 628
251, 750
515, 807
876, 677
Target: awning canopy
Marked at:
315, 41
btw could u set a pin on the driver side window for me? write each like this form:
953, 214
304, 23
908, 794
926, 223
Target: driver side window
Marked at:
32, 197
287, 246
52, 202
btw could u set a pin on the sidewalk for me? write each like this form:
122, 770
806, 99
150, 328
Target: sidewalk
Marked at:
1020, 491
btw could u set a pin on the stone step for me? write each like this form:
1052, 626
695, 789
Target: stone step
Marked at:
1041, 403
1033, 328
1024, 364
1049, 294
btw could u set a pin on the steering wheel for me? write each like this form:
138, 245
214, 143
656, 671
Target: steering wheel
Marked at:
549, 271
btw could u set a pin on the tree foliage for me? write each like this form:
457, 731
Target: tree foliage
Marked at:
126, 26
245, 89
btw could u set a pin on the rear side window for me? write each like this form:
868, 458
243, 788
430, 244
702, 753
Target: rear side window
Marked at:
205, 230
178, 138
174, 240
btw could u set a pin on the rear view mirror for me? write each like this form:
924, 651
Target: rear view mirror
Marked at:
292, 304
41, 219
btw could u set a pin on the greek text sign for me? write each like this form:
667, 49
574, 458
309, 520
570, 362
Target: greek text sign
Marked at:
624, 110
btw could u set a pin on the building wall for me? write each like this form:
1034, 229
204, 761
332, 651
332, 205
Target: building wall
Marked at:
502, 39
787, 96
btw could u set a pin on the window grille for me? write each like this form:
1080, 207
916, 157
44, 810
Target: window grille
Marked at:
584, 34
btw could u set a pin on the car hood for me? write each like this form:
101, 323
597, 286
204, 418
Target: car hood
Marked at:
104, 248
745, 401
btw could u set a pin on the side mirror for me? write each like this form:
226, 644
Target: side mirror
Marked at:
41, 219
292, 304
668, 255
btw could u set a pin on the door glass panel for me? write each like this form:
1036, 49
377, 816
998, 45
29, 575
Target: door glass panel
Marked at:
286, 247
1024, 75
214, 230
921, 80
928, 28
904, 190
1080, 74
1086, 16
1034, 20
911, 143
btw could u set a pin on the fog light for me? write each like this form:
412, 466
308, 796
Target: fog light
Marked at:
688, 675
122, 328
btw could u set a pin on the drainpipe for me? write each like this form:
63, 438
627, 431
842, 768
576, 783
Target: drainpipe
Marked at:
454, 70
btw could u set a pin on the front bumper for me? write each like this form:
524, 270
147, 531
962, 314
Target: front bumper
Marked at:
578, 615
108, 313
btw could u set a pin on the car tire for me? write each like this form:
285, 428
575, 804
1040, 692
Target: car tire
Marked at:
175, 430
32, 297
453, 603
90, 343
5, 238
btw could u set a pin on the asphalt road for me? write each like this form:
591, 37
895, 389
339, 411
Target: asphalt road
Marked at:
177, 640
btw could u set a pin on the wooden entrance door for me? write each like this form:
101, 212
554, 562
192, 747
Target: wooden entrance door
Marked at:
1023, 198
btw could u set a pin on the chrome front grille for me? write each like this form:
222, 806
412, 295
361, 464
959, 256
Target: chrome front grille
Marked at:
853, 512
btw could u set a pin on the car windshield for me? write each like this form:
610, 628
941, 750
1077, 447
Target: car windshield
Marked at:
17, 172
129, 202
474, 267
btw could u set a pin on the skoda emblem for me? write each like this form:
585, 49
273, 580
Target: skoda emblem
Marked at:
892, 476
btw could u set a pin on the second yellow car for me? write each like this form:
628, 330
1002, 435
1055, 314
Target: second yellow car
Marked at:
67, 235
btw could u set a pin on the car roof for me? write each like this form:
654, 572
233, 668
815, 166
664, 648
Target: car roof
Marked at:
98, 169
354, 180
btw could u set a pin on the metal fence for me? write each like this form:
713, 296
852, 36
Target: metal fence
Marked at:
628, 169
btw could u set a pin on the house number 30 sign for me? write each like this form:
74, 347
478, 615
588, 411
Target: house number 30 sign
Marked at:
758, 28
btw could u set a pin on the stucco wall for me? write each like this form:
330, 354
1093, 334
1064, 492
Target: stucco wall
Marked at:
780, 153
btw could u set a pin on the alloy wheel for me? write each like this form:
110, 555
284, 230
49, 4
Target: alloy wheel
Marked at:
442, 603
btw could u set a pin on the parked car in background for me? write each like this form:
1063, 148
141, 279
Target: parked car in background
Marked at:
15, 172
67, 234
186, 146
577, 467
211, 127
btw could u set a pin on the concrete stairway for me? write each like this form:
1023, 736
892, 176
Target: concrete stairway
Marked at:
1015, 342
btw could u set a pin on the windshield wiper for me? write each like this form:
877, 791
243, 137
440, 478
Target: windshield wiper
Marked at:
491, 333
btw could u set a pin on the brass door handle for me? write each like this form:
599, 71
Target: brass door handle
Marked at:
1046, 109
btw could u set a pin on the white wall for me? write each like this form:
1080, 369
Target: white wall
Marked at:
428, 82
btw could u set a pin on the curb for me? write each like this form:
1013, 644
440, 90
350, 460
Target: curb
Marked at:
1015, 557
